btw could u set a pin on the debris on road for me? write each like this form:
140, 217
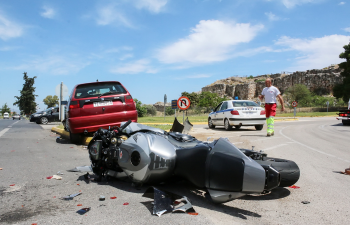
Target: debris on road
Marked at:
0, 168
70, 197
81, 169
126, 203
87, 177
83, 211
113, 197
294, 187
60, 173
305, 202
54, 177
12, 185
80, 205
165, 202
102, 198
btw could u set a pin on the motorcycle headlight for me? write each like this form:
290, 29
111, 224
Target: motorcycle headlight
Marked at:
95, 150
114, 141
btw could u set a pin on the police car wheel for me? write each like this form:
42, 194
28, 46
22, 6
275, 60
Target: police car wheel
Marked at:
210, 124
227, 125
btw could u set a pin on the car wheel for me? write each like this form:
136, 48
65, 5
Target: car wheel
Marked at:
210, 124
44, 120
259, 127
227, 125
74, 138
237, 127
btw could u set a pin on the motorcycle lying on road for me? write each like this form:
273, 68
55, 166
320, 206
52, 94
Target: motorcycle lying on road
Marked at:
150, 155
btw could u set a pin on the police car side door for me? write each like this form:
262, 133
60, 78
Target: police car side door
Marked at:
221, 114
215, 113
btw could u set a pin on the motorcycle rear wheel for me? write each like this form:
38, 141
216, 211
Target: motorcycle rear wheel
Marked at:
288, 170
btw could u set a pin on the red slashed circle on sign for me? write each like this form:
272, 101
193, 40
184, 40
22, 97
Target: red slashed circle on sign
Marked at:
183, 103
294, 104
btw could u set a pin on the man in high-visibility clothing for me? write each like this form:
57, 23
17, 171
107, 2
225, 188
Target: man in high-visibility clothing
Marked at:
271, 93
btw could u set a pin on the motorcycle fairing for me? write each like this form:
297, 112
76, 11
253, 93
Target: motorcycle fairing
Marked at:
133, 127
157, 157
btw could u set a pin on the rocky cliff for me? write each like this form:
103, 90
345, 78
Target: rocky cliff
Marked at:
319, 81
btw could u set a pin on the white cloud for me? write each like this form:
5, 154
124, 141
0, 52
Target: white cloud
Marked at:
126, 56
347, 29
210, 41
154, 6
53, 65
110, 15
9, 29
315, 53
48, 12
271, 16
291, 3
341, 3
139, 66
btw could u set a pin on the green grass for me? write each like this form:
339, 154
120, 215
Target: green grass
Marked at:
307, 114
170, 119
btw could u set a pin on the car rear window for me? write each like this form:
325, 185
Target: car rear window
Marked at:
244, 104
95, 90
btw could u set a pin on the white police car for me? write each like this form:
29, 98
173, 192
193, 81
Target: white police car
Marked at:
237, 113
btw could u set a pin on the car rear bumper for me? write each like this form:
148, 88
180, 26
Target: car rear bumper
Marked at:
247, 121
343, 118
94, 122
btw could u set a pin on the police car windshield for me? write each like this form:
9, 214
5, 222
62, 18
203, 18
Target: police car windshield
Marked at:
243, 103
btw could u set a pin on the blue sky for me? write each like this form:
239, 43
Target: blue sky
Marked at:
157, 47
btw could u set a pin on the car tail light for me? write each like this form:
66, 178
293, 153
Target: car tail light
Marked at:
74, 105
262, 112
343, 114
128, 99
234, 112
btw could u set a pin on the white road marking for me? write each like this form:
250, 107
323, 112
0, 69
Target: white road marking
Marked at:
277, 146
306, 146
264, 139
4, 131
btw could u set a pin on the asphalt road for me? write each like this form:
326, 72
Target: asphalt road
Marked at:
30, 153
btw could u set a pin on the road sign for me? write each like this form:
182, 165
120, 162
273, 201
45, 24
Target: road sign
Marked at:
64, 90
294, 104
64, 102
183, 103
174, 104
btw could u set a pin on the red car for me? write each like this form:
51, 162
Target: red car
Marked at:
98, 104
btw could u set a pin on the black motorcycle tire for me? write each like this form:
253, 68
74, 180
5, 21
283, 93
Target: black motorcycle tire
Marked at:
75, 138
289, 170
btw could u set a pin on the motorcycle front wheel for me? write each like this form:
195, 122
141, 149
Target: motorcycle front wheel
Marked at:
289, 170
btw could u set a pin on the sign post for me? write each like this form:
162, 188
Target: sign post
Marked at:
165, 98
61, 91
327, 105
295, 104
183, 103
174, 105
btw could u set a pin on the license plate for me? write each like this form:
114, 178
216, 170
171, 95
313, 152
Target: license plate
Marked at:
103, 103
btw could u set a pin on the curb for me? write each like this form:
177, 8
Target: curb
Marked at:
64, 134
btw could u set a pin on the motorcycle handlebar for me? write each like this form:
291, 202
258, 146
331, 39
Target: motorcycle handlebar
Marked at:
125, 125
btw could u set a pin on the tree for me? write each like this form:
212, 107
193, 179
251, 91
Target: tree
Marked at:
193, 97
209, 100
151, 110
26, 101
169, 111
51, 101
4, 109
141, 110
299, 93
343, 90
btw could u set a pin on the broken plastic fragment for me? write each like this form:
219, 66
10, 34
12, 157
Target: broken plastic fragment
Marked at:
192, 213
113, 197
81, 169
164, 201
0, 168
70, 197
12, 185
60, 173
102, 198
56, 177
83, 211
80, 205
50, 177
294, 187
126, 203
305, 202
12, 150
78, 184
